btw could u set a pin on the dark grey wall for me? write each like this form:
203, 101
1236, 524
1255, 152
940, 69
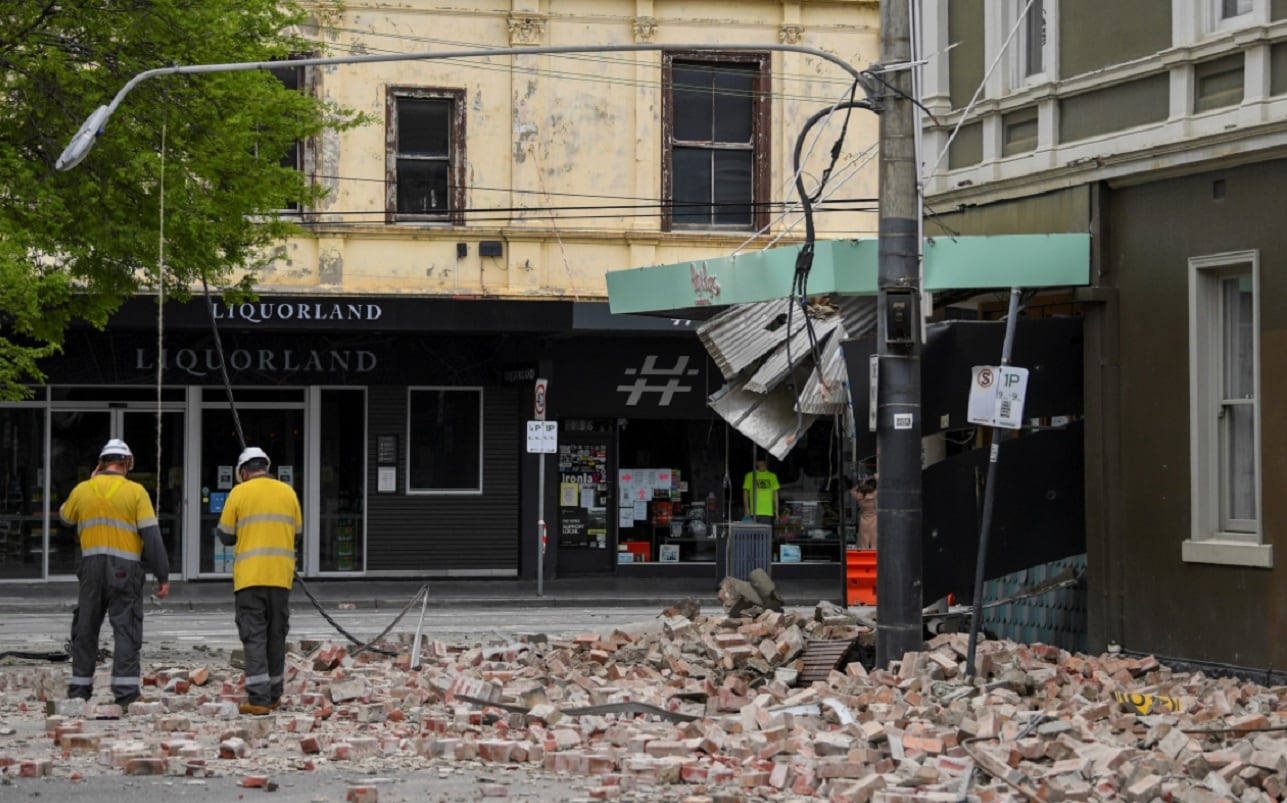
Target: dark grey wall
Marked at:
1204, 612
965, 61
1142, 594
1115, 108
1097, 33
433, 535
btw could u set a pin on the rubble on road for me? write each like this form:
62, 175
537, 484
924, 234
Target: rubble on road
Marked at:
697, 708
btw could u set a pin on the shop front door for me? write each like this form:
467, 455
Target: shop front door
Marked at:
164, 485
587, 527
279, 431
76, 438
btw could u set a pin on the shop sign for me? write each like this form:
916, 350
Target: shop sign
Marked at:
658, 384
609, 378
705, 284
205, 361
273, 311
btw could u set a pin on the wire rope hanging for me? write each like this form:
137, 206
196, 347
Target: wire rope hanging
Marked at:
160, 311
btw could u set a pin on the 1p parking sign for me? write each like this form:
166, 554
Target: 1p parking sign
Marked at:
997, 396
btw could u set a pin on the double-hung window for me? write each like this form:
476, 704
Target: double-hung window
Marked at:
1030, 53
1227, 15
445, 440
715, 124
1224, 359
1234, 8
292, 78
426, 156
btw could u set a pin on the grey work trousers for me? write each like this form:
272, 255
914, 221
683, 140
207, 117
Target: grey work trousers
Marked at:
263, 620
111, 587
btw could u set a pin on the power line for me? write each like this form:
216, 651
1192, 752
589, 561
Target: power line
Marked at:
475, 216
598, 78
515, 191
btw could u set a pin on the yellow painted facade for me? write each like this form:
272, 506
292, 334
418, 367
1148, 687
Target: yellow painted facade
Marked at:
563, 153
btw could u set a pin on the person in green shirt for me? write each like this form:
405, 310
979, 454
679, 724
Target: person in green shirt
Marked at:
760, 493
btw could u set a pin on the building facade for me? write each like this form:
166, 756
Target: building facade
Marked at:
390, 362
1158, 127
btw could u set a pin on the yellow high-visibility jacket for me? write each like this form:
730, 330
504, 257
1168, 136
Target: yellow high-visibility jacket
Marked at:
262, 516
114, 516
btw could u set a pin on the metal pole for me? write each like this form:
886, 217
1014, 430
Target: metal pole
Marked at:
899, 627
989, 495
415, 643
540, 526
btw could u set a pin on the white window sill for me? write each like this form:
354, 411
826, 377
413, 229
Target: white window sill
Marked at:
1228, 553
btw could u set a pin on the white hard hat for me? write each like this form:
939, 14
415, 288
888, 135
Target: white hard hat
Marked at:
252, 453
115, 447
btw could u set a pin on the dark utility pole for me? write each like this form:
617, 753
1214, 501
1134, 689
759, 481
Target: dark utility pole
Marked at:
899, 628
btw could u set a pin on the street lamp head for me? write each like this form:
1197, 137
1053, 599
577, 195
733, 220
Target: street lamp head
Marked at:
84, 139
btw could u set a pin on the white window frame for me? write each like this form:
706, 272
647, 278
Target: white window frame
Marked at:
1017, 56
1216, 22
477, 489
1214, 538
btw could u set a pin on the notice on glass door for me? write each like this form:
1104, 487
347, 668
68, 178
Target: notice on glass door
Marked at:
568, 492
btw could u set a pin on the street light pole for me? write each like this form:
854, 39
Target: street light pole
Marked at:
83, 140
899, 627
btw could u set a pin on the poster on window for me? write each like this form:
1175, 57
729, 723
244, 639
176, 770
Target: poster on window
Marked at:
573, 528
583, 487
568, 493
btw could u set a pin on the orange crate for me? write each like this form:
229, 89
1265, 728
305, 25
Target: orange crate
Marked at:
860, 577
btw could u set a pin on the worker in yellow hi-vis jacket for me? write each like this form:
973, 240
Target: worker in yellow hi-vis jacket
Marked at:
262, 518
119, 537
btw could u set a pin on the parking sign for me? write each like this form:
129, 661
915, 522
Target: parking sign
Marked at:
996, 396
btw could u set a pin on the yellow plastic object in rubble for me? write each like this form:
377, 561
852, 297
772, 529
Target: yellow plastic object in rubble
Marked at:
1148, 703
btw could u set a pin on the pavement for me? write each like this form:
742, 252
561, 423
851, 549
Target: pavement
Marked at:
592, 590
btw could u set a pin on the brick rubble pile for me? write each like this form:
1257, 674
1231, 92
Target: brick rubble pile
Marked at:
699, 708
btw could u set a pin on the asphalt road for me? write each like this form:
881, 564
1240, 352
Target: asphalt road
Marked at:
172, 628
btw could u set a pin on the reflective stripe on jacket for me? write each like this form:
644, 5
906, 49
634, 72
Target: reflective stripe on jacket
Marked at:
264, 515
108, 512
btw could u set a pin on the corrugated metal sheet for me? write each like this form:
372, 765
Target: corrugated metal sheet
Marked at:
752, 339
769, 419
827, 391
859, 314
741, 335
775, 369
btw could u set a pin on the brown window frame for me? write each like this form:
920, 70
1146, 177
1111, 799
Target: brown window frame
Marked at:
761, 136
456, 195
304, 148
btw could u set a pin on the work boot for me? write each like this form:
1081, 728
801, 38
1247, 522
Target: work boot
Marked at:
252, 710
275, 704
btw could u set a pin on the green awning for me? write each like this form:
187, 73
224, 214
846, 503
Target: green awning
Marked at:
848, 267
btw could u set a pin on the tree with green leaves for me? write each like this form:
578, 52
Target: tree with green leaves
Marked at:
196, 158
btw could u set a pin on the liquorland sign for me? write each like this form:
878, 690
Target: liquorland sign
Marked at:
309, 311
202, 362
351, 314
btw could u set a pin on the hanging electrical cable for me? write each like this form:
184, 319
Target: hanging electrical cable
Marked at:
804, 258
223, 364
160, 308
241, 439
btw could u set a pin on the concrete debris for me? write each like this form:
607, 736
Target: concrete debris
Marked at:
696, 708
749, 597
